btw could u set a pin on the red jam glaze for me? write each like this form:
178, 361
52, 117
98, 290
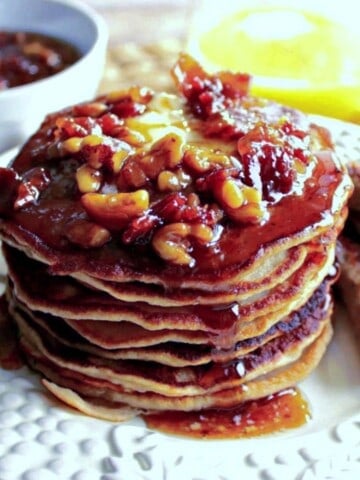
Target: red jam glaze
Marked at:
58, 203
27, 57
266, 156
222, 102
281, 411
209, 95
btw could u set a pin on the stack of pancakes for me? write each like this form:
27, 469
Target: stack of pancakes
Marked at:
215, 292
349, 251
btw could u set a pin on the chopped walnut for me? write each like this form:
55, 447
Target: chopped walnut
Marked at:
88, 179
117, 209
87, 234
172, 242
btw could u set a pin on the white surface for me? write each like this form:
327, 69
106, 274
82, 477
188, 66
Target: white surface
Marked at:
42, 440
22, 108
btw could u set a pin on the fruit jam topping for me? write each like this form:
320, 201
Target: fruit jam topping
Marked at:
26, 57
167, 171
209, 96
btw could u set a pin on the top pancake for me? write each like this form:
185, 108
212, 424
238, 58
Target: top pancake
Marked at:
188, 191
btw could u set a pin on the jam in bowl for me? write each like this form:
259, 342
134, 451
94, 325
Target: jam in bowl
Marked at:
33, 77
26, 57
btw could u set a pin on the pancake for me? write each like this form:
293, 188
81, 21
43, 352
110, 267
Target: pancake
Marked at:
348, 252
271, 383
105, 410
104, 340
172, 251
315, 262
349, 282
149, 376
221, 325
89, 271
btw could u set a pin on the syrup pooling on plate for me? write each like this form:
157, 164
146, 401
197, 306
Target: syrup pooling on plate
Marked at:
284, 410
26, 57
172, 252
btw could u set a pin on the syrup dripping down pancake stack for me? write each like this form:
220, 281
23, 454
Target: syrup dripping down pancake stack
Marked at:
173, 252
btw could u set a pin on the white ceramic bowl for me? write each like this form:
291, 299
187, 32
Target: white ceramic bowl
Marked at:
23, 108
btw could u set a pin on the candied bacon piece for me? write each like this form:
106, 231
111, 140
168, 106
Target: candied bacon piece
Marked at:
268, 154
222, 102
9, 183
167, 207
175, 207
67, 127
140, 229
96, 155
209, 181
208, 93
128, 103
91, 109
30, 187
126, 107
131, 175
296, 141
110, 124
209, 96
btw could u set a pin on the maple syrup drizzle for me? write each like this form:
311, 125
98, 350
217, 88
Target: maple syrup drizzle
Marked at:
281, 411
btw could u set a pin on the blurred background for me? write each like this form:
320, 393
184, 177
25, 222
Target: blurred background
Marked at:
304, 54
144, 21
145, 37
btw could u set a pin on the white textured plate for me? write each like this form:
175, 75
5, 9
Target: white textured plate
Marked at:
42, 440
